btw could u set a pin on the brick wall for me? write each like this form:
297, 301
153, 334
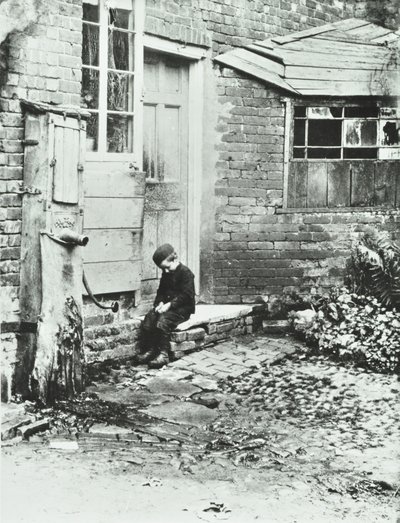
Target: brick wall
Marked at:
44, 64
261, 252
223, 24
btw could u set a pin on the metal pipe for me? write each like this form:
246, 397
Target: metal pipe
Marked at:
114, 306
73, 237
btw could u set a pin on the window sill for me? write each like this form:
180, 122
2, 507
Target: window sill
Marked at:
294, 210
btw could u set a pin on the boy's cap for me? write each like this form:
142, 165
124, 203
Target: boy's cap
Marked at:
162, 252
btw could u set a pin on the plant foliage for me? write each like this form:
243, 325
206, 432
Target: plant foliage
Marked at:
375, 268
355, 328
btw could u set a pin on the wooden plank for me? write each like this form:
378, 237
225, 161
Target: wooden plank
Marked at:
368, 32
326, 88
66, 154
112, 245
362, 183
320, 46
397, 202
328, 74
260, 61
303, 34
113, 213
297, 184
386, 175
112, 179
339, 176
36, 160
317, 184
253, 69
312, 58
116, 276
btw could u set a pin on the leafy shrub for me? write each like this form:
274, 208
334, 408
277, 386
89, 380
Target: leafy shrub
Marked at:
356, 328
375, 268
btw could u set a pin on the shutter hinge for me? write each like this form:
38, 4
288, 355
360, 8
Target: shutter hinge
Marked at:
80, 167
53, 162
26, 189
30, 142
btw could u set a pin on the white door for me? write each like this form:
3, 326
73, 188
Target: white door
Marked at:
165, 157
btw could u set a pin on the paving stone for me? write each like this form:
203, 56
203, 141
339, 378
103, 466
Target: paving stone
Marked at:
176, 374
183, 412
128, 396
102, 429
171, 388
205, 384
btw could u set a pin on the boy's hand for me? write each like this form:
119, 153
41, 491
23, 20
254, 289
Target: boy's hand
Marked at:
163, 307
157, 309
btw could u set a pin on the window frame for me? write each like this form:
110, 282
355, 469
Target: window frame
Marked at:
138, 10
289, 104
344, 147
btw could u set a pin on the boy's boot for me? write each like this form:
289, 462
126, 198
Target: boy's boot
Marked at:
161, 360
164, 347
149, 352
145, 357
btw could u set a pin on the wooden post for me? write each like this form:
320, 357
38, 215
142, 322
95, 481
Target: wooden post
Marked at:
50, 352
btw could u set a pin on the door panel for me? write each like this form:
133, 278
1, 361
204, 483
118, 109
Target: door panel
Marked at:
113, 220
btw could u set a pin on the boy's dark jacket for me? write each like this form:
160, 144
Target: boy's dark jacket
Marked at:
177, 287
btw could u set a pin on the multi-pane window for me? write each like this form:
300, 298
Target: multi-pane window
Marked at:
108, 59
358, 133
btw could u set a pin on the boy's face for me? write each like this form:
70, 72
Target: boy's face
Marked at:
168, 266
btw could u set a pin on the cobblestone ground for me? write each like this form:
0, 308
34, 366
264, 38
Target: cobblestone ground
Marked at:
248, 430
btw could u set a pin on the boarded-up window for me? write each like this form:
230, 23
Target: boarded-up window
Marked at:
339, 157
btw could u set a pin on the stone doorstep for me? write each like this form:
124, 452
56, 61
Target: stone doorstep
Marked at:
210, 325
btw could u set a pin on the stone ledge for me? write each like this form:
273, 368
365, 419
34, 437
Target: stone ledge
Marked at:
210, 325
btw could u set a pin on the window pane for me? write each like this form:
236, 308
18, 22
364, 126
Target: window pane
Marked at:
300, 111
323, 153
119, 92
361, 112
90, 45
360, 153
119, 133
121, 18
90, 88
324, 112
390, 112
91, 12
389, 132
299, 132
92, 133
360, 132
324, 132
120, 50
299, 152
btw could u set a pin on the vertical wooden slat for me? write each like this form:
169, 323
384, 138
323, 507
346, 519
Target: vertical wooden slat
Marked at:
385, 183
339, 184
297, 184
317, 184
362, 183
66, 154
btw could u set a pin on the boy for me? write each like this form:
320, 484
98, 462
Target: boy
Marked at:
174, 303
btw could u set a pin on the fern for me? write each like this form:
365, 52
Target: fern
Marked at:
376, 268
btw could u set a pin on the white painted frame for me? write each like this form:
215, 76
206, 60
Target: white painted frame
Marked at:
195, 145
135, 157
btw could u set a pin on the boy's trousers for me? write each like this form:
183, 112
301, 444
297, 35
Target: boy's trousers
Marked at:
156, 329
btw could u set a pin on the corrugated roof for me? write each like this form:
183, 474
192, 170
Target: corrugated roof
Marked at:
348, 58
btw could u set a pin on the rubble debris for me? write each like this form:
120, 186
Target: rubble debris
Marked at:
33, 428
